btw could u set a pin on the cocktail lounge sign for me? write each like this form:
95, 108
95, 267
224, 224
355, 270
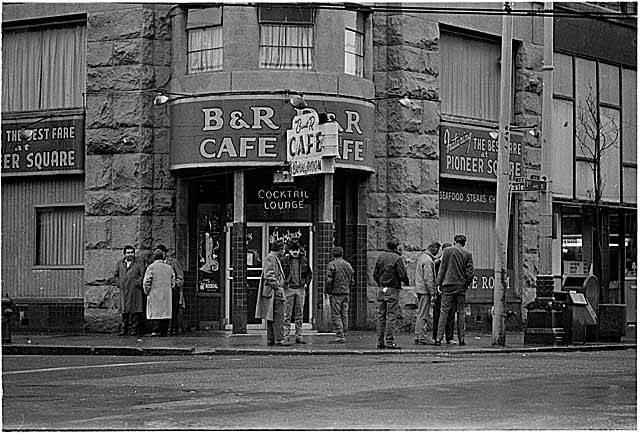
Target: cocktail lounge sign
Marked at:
471, 152
55, 145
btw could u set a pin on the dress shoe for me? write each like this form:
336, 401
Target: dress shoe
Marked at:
380, 346
338, 341
420, 342
462, 343
122, 333
437, 343
300, 341
451, 342
154, 334
270, 343
283, 343
392, 346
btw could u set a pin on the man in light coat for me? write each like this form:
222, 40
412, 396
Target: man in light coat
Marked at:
177, 296
425, 289
271, 297
454, 277
128, 274
159, 280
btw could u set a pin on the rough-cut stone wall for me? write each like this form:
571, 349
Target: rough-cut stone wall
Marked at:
129, 191
403, 193
528, 111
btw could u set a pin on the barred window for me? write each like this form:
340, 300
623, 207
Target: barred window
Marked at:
59, 235
286, 37
205, 45
354, 43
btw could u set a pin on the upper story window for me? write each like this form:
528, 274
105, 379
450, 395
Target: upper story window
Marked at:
286, 37
204, 29
354, 43
44, 68
470, 76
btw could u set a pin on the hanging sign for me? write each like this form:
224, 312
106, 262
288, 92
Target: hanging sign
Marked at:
311, 147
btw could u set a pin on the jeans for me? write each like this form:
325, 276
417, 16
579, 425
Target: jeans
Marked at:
451, 319
448, 302
295, 305
388, 309
422, 316
339, 310
274, 327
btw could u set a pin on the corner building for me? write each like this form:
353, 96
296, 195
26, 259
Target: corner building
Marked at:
205, 172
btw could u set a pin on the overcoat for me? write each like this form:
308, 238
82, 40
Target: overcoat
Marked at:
159, 279
130, 285
271, 286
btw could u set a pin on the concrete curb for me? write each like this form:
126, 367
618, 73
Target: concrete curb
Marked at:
22, 349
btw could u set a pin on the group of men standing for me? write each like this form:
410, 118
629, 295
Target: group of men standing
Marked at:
153, 292
282, 291
441, 283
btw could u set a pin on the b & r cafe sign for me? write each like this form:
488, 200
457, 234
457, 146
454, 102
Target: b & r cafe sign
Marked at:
468, 152
56, 145
252, 131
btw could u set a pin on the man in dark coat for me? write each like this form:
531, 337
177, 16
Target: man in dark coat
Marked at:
128, 274
339, 283
454, 277
389, 273
297, 277
437, 304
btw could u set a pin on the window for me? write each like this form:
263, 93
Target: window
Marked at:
204, 30
629, 135
286, 37
470, 76
354, 43
44, 68
59, 238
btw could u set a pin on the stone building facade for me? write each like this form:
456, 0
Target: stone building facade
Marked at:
137, 190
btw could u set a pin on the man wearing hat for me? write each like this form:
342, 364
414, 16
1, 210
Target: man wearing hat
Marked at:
425, 289
339, 282
177, 295
271, 298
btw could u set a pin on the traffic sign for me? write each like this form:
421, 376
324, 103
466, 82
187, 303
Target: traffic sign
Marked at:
528, 185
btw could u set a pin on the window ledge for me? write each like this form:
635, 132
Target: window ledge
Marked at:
55, 267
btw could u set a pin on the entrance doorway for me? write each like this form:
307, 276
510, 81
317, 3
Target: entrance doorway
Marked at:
258, 238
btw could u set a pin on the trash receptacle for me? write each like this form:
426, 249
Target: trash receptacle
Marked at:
7, 313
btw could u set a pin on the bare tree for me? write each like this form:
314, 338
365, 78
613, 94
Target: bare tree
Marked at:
596, 135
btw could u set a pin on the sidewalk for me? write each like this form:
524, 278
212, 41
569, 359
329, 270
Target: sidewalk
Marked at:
222, 343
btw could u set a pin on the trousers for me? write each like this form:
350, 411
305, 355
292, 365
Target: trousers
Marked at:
274, 327
388, 309
339, 311
293, 310
448, 302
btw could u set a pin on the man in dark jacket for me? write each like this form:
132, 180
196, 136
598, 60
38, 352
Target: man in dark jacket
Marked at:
339, 282
454, 277
389, 274
128, 274
297, 277
437, 304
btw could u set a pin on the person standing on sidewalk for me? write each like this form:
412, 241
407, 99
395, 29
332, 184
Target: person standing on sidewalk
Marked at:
339, 282
159, 280
437, 304
454, 277
389, 273
297, 277
425, 289
177, 296
128, 274
271, 298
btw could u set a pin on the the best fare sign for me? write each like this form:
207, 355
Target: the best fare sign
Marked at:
472, 153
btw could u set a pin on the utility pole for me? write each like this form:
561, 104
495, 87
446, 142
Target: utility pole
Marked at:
546, 210
502, 182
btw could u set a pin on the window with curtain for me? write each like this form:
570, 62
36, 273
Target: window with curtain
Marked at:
629, 135
205, 47
354, 43
44, 68
59, 237
286, 37
470, 76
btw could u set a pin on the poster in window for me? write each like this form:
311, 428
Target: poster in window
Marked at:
209, 243
288, 233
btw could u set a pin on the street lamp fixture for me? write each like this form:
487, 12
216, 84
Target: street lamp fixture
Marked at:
532, 130
26, 132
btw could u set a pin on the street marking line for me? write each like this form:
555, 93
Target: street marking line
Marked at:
80, 367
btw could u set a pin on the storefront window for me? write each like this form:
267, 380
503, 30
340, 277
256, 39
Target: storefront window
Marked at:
630, 244
572, 245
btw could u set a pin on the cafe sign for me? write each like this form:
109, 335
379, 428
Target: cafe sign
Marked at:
55, 146
470, 152
311, 146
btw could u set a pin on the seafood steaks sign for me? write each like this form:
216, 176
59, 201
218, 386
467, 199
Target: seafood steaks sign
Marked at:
252, 131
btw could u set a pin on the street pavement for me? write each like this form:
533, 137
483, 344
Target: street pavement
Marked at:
223, 343
385, 390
